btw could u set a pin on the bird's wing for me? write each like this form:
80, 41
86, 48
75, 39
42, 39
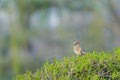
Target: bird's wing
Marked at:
83, 51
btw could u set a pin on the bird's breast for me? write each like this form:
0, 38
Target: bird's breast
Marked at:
77, 51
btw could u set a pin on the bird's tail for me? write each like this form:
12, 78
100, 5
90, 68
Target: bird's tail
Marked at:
83, 52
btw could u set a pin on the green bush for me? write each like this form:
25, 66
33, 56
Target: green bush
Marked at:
92, 66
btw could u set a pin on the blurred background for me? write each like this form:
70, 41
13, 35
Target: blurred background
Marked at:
33, 31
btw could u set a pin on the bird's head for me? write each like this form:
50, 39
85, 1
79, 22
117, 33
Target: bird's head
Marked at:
76, 43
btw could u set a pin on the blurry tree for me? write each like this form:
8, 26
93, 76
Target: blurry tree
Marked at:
26, 8
114, 9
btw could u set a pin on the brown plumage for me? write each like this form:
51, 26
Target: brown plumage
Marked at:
77, 49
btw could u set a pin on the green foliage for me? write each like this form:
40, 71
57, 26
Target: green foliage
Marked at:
92, 66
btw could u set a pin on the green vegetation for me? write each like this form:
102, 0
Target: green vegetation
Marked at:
92, 66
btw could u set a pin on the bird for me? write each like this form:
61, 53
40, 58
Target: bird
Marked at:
77, 49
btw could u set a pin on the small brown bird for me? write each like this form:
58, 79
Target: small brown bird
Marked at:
77, 49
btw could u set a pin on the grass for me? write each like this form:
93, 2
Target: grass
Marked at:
92, 66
